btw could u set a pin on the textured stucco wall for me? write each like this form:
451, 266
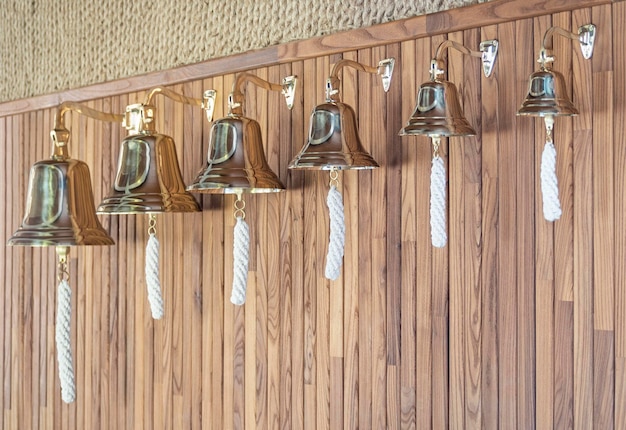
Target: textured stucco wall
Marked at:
49, 46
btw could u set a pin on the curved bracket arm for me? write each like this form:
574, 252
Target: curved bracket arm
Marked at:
236, 98
60, 135
586, 36
384, 69
488, 52
207, 102
139, 117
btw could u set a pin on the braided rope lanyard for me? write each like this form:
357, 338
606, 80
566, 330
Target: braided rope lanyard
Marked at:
63, 328
153, 284
438, 233
241, 253
334, 201
549, 182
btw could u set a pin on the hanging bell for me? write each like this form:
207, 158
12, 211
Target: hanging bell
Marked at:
59, 203
333, 141
236, 160
148, 178
438, 112
547, 95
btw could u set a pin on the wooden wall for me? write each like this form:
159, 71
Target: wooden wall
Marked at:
517, 323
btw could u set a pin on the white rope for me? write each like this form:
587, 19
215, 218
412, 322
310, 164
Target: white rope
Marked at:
334, 258
152, 277
438, 203
62, 337
241, 254
549, 182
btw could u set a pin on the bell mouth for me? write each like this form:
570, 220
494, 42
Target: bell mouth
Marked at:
59, 237
431, 127
218, 188
138, 203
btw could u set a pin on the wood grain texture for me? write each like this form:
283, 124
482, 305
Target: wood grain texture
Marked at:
516, 323
507, 238
619, 147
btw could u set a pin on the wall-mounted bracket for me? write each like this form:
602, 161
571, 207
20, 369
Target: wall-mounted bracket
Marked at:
385, 70
489, 52
289, 90
587, 38
208, 103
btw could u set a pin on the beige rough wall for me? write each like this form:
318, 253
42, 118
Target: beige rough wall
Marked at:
53, 45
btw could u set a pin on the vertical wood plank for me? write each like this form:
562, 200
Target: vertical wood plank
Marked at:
618, 12
472, 236
412, 389
488, 271
583, 237
604, 223
366, 284
439, 284
455, 249
393, 145
274, 251
544, 272
379, 200
299, 134
603, 185
507, 239
322, 285
310, 265
351, 283
563, 390
213, 284
282, 327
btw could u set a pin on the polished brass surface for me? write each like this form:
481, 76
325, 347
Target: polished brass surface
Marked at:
586, 36
207, 102
547, 95
59, 203
236, 160
59, 207
333, 141
438, 112
148, 178
488, 52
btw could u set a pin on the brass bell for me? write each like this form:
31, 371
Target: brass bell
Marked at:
236, 160
148, 178
333, 141
59, 204
438, 112
547, 95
